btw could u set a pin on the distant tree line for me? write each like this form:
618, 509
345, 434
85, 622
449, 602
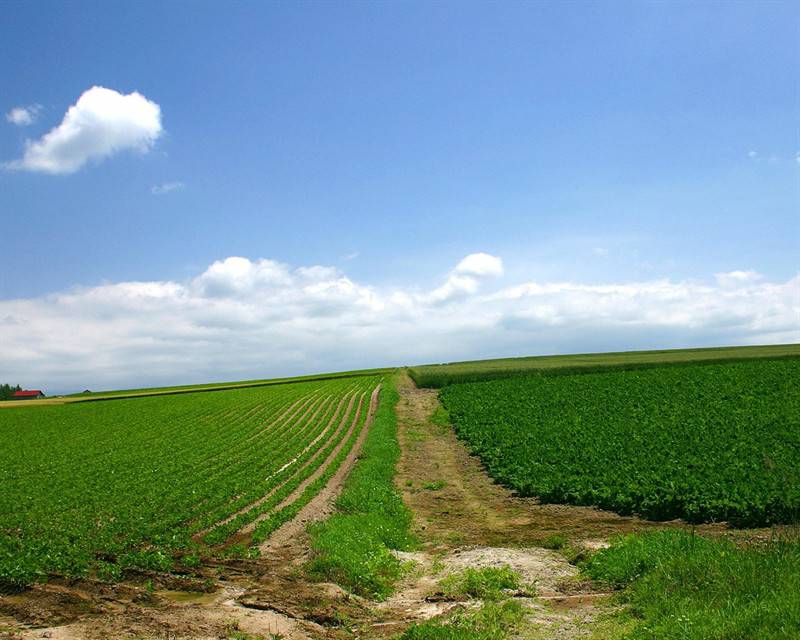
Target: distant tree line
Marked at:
7, 391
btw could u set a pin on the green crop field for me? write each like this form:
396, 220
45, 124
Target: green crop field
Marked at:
217, 386
93, 488
705, 442
440, 375
189, 481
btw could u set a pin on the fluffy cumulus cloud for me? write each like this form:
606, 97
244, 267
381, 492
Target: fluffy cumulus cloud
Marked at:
23, 116
465, 279
480, 264
243, 318
101, 123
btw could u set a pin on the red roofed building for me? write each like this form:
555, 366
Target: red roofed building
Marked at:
28, 395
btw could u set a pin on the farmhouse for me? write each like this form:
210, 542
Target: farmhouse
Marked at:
28, 395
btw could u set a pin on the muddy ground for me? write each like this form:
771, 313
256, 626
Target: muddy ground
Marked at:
461, 518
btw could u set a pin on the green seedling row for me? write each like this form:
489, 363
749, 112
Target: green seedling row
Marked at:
96, 488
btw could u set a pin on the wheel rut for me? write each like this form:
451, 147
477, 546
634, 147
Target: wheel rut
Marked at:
310, 446
464, 519
298, 491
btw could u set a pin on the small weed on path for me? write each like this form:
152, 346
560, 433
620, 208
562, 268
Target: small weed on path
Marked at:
496, 617
488, 583
493, 621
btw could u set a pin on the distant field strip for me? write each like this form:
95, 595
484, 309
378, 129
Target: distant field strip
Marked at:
440, 375
100, 487
701, 442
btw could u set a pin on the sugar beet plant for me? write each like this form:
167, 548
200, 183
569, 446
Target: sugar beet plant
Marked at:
700, 442
95, 488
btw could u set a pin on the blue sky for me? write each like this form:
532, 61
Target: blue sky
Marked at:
584, 143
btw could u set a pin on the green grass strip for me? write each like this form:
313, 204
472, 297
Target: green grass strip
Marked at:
685, 587
353, 547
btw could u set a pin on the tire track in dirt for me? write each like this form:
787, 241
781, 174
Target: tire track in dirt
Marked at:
465, 519
319, 402
322, 505
276, 488
298, 491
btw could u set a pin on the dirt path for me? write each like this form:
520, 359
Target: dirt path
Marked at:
471, 509
464, 519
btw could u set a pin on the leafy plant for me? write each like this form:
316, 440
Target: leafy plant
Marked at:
700, 442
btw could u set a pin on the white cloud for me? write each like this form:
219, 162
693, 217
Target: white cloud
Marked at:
737, 278
101, 123
465, 279
243, 318
236, 276
480, 264
166, 187
23, 116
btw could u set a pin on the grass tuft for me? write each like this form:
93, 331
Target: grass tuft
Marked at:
555, 542
487, 583
493, 621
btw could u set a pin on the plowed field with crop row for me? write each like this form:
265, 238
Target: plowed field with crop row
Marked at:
97, 488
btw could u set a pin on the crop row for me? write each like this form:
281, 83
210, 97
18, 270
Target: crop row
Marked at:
98, 487
700, 442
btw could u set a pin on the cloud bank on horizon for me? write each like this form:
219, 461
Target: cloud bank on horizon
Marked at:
101, 123
245, 318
